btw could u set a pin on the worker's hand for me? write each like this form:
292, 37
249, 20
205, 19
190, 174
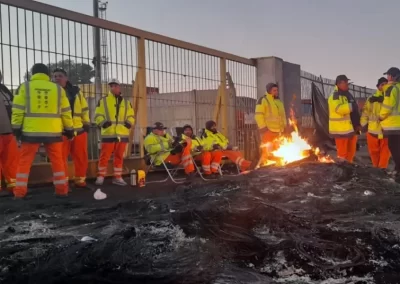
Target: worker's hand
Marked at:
216, 147
358, 129
17, 133
127, 125
69, 134
86, 128
106, 124
178, 148
229, 148
199, 148
262, 131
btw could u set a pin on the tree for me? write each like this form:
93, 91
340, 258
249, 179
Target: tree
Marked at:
78, 73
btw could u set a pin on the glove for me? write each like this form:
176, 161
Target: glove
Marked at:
106, 124
178, 149
17, 133
127, 125
183, 144
375, 99
199, 148
69, 134
229, 148
358, 129
86, 127
216, 147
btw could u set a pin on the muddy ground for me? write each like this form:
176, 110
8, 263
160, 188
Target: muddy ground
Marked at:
307, 223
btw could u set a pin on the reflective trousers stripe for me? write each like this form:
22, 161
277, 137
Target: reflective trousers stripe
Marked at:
214, 166
239, 161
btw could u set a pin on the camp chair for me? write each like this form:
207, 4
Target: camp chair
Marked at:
224, 159
170, 169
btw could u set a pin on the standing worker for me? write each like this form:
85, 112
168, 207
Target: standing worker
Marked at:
344, 119
8, 143
115, 116
40, 114
390, 116
377, 144
80, 116
270, 117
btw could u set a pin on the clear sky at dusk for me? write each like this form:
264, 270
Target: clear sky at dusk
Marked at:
328, 37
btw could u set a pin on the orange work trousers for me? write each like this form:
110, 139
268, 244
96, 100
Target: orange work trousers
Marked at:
346, 148
107, 149
268, 137
184, 158
27, 155
379, 151
236, 157
77, 148
210, 161
8, 160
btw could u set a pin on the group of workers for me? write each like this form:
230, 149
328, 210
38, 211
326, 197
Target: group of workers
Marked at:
380, 118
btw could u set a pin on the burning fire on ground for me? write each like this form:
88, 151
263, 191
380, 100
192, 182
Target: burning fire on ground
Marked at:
294, 148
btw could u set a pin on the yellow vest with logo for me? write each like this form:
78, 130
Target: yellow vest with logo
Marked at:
41, 109
370, 116
107, 109
210, 139
390, 110
270, 113
158, 147
339, 115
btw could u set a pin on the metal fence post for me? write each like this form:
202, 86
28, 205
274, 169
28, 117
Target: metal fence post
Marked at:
142, 103
224, 99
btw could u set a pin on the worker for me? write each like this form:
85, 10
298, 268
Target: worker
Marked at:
270, 117
344, 119
115, 116
377, 144
216, 141
40, 114
210, 160
390, 116
76, 147
163, 148
8, 143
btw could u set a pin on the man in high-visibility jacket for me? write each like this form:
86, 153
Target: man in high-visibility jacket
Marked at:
8, 144
210, 160
77, 147
163, 148
40, 114
114, 114
344, 119
390, 116
270, 117
216, 141
377, 143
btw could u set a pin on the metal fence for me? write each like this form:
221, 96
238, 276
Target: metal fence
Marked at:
167, 80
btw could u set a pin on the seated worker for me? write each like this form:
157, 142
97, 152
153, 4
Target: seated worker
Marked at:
161, 146
210, 161
216, 141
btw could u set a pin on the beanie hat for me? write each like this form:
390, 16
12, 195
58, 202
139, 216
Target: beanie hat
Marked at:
210, 124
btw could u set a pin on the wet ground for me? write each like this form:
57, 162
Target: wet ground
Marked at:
307, 223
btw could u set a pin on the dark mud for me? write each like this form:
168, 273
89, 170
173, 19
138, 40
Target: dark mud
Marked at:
309, 223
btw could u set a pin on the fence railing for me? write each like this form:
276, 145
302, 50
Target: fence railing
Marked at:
167, 80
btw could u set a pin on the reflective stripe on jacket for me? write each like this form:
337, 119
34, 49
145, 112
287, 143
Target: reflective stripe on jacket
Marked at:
270, 113
159, 146
339, 115
41, 109
118, 111
370, 116
390, 110
210, 139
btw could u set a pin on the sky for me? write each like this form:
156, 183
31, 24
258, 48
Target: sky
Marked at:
326, 37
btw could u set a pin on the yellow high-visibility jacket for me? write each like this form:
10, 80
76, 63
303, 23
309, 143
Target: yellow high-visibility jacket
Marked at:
159, 146
370, 115
41, 109
390, 110
79, 107
270, 114
196, 142
339, 115
210, 139
118, 111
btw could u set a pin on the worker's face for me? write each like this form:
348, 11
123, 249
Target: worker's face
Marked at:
159, 132
343, 85
213, 128
380, 87
274, 91
115, 89
389, 77
60, 79
188, 132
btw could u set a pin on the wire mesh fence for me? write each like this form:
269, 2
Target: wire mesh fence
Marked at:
182, 80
